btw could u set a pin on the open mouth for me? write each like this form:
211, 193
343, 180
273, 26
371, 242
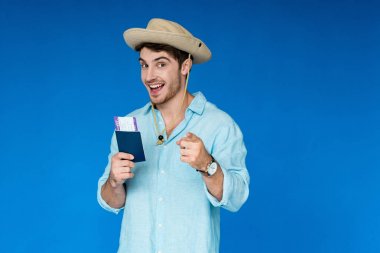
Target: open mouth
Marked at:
155, 88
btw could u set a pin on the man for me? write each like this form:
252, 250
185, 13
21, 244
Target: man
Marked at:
195, 155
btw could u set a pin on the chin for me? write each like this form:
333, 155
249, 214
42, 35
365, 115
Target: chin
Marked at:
157, 100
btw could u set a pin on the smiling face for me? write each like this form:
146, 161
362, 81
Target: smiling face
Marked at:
161, 75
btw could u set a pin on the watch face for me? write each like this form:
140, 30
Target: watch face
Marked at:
212, 168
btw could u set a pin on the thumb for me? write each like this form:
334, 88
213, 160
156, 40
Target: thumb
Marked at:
191, 136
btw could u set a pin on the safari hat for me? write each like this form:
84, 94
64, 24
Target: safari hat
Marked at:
166, 32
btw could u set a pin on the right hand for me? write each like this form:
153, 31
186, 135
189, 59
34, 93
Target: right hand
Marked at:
121, 168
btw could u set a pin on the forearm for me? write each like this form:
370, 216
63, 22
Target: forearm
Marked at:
214, 183
113, 195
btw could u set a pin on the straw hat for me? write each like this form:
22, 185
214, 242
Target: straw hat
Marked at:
166, 32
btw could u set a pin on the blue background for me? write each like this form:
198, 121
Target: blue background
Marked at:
301, 78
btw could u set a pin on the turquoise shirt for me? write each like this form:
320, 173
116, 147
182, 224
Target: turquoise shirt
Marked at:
168, 208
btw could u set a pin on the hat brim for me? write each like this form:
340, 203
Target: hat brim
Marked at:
136, 36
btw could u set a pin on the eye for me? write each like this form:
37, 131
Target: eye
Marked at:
144, 65
161, 64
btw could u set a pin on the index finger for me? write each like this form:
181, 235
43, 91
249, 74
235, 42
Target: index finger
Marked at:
191, 136
124, 156
182, 142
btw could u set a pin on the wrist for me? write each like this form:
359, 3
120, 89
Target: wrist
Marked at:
113, 184
210, 168
208, 161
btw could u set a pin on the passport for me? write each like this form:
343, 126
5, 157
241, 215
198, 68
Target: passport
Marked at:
131, 142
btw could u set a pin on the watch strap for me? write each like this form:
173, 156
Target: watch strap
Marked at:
205, 172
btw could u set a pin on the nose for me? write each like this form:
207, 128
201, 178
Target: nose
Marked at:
150, 74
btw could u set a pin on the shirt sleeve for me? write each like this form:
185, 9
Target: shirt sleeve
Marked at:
230, 152
104, 177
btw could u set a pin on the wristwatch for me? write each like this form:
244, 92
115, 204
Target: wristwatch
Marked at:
211, 168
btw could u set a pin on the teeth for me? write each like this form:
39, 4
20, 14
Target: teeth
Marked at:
155, 86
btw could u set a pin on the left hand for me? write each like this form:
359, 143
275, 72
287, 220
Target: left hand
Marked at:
193, 152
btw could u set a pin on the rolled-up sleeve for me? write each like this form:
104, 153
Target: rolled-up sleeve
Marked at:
104, 177
230, 152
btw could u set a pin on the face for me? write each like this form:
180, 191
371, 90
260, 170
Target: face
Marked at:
160, 74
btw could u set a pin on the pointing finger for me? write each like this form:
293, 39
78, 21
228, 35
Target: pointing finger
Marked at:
126, 156
192, 137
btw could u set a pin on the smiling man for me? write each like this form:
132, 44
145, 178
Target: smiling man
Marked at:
195, 154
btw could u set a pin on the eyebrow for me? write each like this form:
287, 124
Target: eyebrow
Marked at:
157, 59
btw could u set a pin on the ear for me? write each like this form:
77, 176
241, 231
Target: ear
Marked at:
186, 66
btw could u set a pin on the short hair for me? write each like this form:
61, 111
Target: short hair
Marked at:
177, 54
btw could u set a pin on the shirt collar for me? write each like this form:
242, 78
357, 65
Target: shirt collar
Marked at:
146, 108
197, 105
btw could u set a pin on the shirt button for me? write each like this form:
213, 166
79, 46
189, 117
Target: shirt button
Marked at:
162, 171
160, 199
159, 251
160, 225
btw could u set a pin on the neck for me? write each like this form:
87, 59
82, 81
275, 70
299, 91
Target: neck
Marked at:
173, 111
171, 107
177, 107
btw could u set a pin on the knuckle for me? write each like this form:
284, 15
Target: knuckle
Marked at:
127, 163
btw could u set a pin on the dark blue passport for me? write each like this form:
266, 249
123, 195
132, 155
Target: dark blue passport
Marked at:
130, 142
